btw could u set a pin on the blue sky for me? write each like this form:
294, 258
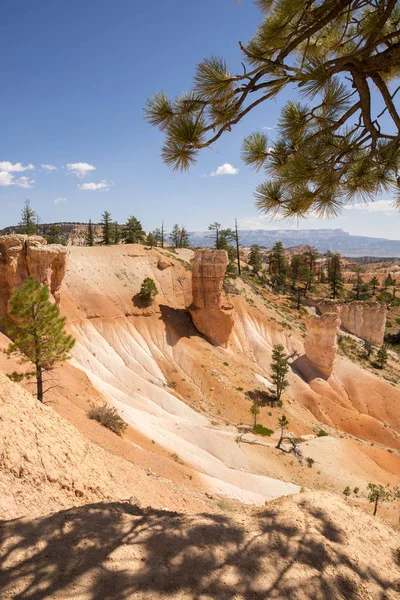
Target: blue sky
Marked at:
75, 79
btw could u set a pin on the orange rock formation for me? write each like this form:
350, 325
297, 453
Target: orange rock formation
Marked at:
210, 316
366, 320
321, 342
22, 256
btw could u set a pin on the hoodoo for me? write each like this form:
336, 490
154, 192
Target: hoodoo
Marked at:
321, 342
22, 256
366, 320
210, 316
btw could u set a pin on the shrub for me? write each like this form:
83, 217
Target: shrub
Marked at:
347, 491
322, 433
356, 490
389, 324
310, 462
261, 430
148, 291
108, 417
226, 364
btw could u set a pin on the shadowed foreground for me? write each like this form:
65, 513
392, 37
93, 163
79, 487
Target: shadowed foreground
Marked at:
294, 549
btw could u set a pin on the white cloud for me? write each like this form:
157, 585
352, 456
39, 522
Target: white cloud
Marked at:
6, 179
59, 200
94, 187
80, 169
225, 169
25, 182
379, 206
49, 167
269, 128
9, 167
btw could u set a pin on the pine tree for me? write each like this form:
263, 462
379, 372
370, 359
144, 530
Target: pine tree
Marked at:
278, 267
374, 283
359, 283
300, 276
148, 291
116, 233
134, 232
107, 228
255, 258
335, 277
382, 356
37, 332
53, 235
179, 237
90, 234
310, 258
388, 282
151, 240
283, 423
255, 411
215, 228
332, 60
29, 219
279, 368
237, 243
377, 493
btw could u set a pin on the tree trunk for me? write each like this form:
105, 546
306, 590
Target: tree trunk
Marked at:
376, 505
39, 383
237, 248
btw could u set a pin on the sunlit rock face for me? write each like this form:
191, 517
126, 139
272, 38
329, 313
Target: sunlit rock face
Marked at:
22, 256
211, 315
321, 342
366, 320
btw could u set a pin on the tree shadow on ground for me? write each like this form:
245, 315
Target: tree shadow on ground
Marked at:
178, 324
118, 551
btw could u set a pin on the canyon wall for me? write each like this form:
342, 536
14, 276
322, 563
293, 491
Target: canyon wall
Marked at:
22, 256
366, 320
321, 342
210, 315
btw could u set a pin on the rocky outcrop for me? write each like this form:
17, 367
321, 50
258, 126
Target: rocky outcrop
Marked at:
366, 320
22, 256
321, 342
210, 316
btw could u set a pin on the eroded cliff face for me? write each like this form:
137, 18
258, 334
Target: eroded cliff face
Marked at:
366, 320
22, 256
211, 316
321, 342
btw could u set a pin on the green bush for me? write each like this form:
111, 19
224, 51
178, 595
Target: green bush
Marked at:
389, 324
148, 291
310, 462
108, 417
321, 433
347, 491
356, 490
261, 430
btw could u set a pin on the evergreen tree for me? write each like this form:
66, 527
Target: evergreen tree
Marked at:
335, 277
133, 232
338, 58
310, 259
368, 348
151, 240
53, 235
107, 228
179, 237
382, 356
148, 291
279, 368
278, 267
116, 233
255, 411
359, 283
215, 228
283, 423
255, 258
388, 282
300, 277
374, 283
37, 332
29, 219
90, 234
377, 493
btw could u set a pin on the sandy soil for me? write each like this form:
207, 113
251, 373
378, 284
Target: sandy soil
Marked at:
308, 546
